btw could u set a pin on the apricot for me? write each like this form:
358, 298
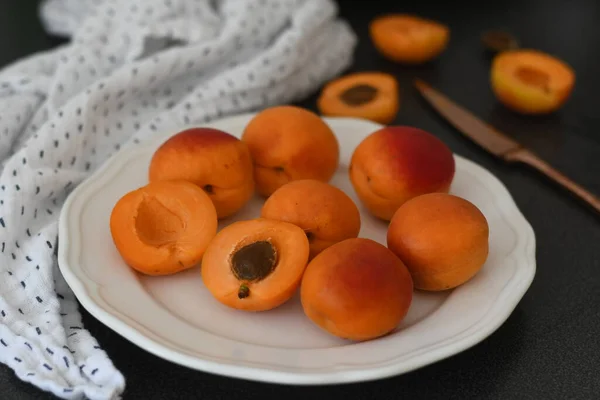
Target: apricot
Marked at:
216, 161
442, 239
325, 213
368, 95
288, 143
255, 265
408, 39
163, 227
356, 289
397, 163
530, 81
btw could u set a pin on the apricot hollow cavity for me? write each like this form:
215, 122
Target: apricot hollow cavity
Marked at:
325, 213
164, 227
216, 161
530, 81
255, 265
397, 163
368, 95
356, 289
289, 143
442, 239
409, 39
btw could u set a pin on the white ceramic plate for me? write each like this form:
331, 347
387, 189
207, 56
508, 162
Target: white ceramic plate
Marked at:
177, 319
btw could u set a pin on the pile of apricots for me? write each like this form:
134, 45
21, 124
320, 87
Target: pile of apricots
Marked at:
526, 81
306, 238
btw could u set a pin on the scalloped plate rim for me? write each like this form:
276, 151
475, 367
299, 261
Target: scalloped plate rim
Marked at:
86, 290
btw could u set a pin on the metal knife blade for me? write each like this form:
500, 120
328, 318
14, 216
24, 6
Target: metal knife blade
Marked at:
478, 131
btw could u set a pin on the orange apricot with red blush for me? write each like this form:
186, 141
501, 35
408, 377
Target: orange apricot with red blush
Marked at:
409, 39
442, 239
289, 143
325, 213
368, 95
396, 163
215, 160
356, 289
163, 227
530, 81
255, 265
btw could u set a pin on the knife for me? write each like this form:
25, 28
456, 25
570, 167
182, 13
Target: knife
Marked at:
498, 143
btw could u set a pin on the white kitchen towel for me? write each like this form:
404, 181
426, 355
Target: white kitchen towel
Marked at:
131, 69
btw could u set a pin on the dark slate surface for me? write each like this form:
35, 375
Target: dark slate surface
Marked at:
549, 348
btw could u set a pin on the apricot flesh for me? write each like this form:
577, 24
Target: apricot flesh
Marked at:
356, 289
408, 39
288, 143
325, 213
442, 239
531, 82
214, 160
255, 265
397, 163
369, 95
164, 227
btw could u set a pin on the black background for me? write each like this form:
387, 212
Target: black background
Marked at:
549, 348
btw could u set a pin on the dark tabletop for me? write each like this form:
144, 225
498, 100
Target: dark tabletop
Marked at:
549, 348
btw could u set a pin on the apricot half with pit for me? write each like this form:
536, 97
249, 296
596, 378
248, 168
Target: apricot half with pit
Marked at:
368, 95
397, 163
215, 160
164, 227
255, 265
289, 143
442, 239
531, 81
325, 213
356, 289
409, 39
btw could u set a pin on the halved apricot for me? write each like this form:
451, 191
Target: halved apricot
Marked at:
531, 81
288, 143
164, 227
369, 95
356, 289
216, 161
409, 39
255, 265
325, 213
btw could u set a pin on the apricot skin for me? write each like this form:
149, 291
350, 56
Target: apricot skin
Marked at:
531, 82
324, 212
408, 39
164, 227
214, 160
289, 143
356, 289
397, 163
291, 246
442, 239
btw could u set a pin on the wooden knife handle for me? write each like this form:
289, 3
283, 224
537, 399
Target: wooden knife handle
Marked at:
527, 157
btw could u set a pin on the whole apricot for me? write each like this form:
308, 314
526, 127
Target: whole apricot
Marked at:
216, 161
397, 163
530, 81
289, 143
164, 227
356, 289
255, 265
442, 239
409, 39
325, 213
